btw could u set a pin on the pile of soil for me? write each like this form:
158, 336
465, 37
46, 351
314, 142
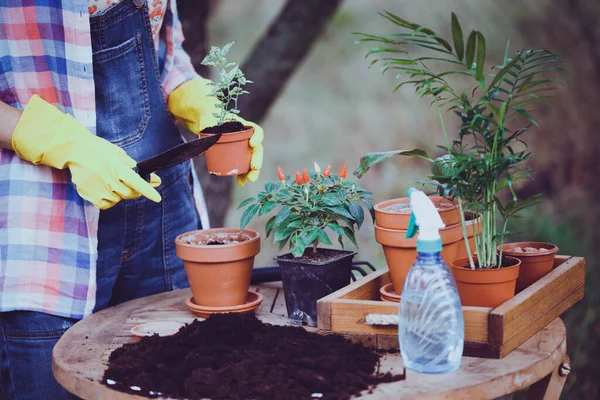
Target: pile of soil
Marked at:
233, 356
227, 127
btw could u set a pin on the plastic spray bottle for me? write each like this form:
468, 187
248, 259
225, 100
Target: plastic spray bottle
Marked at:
431, 327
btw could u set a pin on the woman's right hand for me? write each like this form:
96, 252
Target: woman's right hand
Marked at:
101, 171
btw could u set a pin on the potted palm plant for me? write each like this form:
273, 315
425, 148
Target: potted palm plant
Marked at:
488, 156
310, 208
231, 155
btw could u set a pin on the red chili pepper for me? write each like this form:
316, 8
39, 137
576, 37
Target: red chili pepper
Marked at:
280, 174
305, 176
298, 178
343, 171
327, 171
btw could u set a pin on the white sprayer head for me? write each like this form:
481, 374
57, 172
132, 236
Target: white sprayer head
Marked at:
428, 220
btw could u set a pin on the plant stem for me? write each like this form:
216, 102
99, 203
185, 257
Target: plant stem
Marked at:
463, 222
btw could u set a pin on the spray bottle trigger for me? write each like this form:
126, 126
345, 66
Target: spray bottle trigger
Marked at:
413, 228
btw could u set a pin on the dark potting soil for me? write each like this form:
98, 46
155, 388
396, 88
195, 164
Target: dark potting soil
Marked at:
233, 356
227, 127
322, 255
506, 262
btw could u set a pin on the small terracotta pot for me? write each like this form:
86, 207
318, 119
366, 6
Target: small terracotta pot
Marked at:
485, 287
533, 265
399, 219
401, 253
231, 155
219, 275
473, 226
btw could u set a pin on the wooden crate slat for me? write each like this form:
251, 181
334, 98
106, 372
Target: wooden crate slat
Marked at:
532, 328
532, 304
489, 333
349, 316
476, 323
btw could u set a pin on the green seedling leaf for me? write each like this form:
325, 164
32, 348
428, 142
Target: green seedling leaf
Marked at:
371, 159
457, 37
248, 215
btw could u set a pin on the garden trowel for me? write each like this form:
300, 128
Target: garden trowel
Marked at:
174, 156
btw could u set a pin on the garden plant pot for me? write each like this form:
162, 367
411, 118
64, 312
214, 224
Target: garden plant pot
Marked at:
401, 252
219, 274
534, 265
485, 287
305, 282
473, 225
395, 213
231, 155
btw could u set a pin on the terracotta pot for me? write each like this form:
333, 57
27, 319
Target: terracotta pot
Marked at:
219, 275
472, 226
231, 155
401, 253
485, 287
399, 219
533, 265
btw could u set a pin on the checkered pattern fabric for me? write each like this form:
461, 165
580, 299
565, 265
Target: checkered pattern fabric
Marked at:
48, 234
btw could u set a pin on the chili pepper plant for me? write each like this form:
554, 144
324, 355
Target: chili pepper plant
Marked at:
489, 154
310, 207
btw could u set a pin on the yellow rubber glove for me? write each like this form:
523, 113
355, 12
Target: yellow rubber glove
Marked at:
101, 171
192, 106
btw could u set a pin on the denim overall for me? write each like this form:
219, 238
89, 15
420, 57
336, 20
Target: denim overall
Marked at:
136, 250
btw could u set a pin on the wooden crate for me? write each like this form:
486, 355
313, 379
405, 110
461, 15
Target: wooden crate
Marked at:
489, 333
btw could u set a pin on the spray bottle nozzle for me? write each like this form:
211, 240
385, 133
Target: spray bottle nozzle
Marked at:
425, 218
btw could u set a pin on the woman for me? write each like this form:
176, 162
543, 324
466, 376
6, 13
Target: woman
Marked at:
100, 83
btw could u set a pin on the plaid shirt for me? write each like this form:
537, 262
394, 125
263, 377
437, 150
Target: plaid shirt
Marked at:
48, 234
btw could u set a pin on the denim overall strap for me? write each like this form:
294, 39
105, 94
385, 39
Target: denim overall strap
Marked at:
136, 250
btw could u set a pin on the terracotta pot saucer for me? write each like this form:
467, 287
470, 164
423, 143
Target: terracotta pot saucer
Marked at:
162, 328
388, 294
253, 300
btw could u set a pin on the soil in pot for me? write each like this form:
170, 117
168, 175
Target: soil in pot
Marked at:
231, 155
216, 238
537, 260
218, 264
232, 356
485, 287
227, 127
395, 213
308, 278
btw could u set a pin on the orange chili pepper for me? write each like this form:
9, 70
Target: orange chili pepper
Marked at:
298, 178
280, 174
305, 176
343, 171
327, 171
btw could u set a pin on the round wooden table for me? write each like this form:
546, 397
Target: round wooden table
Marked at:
541, 363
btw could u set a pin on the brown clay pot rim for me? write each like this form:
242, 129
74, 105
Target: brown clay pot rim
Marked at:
389, 294
405, 242
553, 249
485, 274
252, 301
404, 200
255, 237
233, 136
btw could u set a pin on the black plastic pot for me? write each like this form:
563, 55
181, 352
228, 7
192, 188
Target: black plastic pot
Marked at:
306, 282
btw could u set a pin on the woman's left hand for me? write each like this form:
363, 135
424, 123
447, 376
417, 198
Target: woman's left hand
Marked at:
192, 106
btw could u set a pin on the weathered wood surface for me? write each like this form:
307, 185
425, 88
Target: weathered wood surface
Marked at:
79, 358
489, 333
